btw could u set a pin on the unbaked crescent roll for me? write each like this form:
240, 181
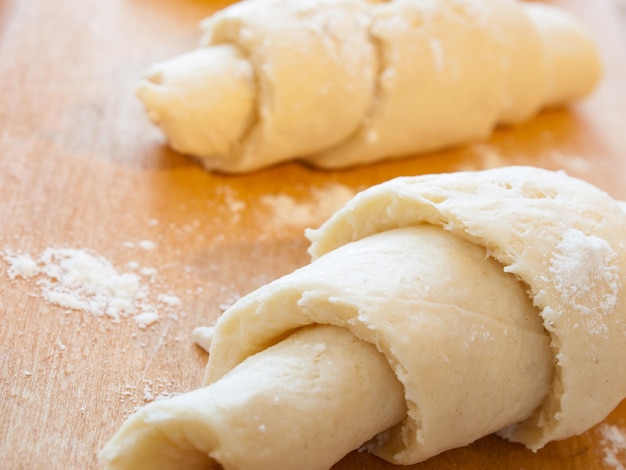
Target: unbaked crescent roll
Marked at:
347, 82
437, 309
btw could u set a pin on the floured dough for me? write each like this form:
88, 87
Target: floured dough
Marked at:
276, 410
459, 305
346, 82
562, 237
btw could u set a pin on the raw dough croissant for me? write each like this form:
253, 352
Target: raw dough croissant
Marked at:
437, 309
346, 82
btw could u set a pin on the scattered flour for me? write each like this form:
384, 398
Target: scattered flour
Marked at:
157, 389
170, 300
232, 205
77, 279
147, 244
149, 390
613, 442
289, 212
579, 264
145, 319
487, 156
21, 265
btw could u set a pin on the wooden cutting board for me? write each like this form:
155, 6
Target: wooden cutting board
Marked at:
86, 179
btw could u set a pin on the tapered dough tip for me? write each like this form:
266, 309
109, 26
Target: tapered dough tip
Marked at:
573, 58
161, 435
246, 420
203, 100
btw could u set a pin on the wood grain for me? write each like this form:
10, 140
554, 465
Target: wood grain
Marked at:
81, 167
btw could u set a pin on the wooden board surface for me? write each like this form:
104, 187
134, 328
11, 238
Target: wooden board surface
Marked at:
82, 169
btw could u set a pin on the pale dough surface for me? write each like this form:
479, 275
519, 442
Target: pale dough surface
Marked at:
467, 303
461, 335
562, 237
416, 294
297, 404
347, 82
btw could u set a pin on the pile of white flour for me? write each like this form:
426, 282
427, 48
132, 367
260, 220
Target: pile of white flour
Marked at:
77, 279
613, 440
